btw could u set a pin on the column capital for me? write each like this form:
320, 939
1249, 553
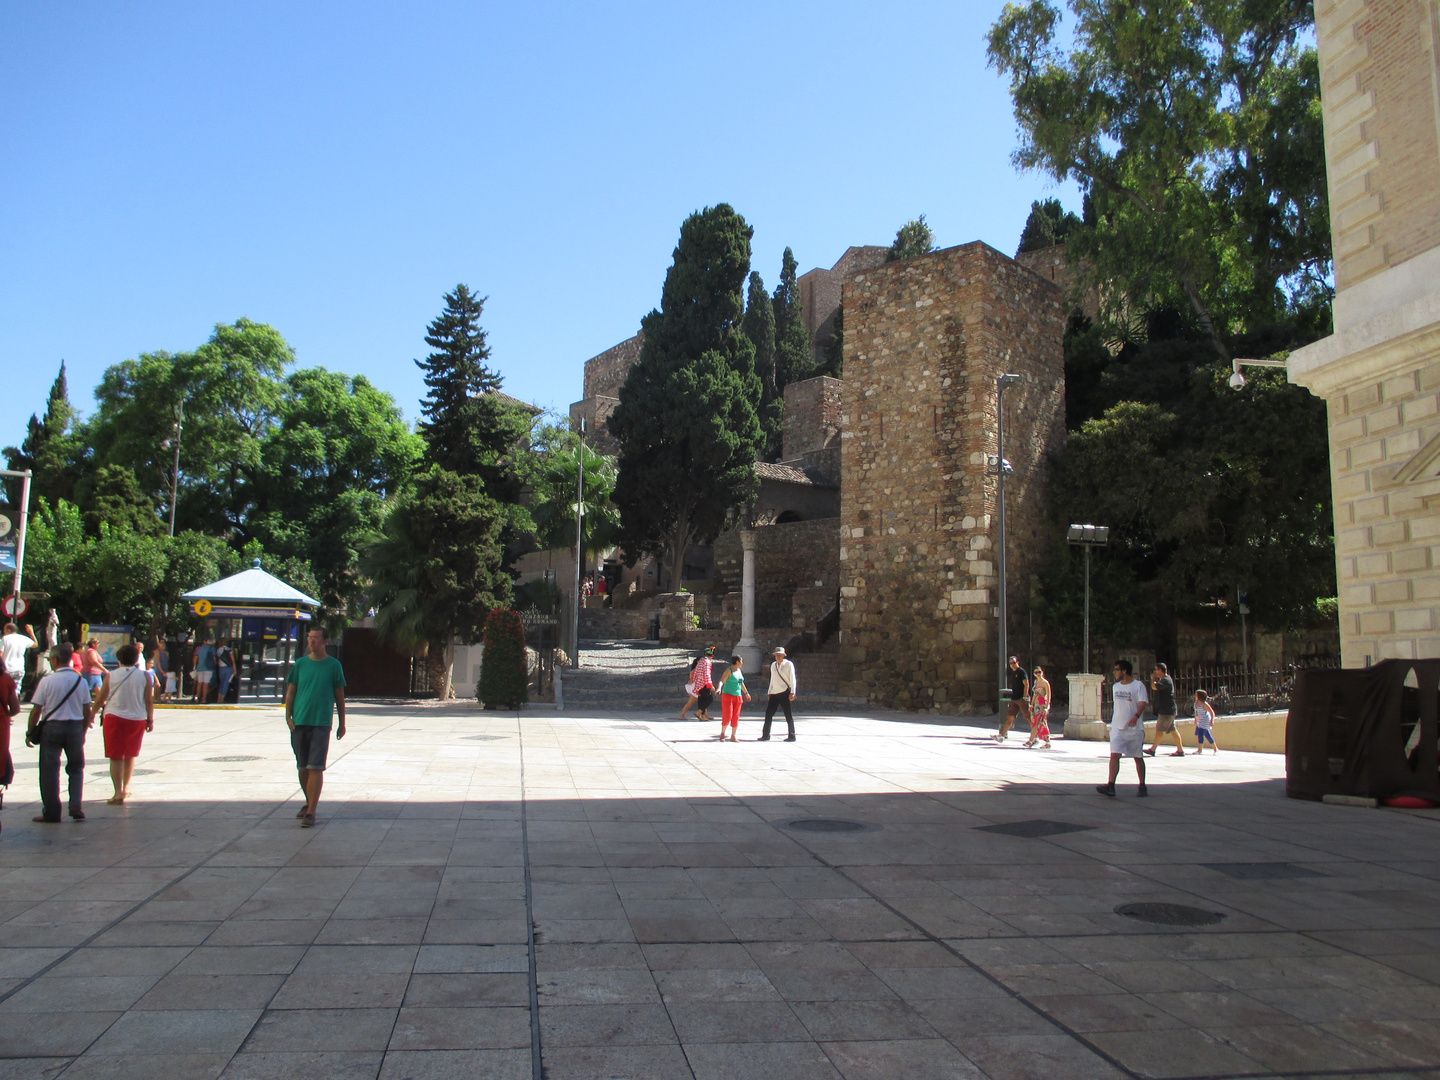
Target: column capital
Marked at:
747, 539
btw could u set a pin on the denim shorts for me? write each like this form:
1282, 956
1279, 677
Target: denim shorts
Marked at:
311, 744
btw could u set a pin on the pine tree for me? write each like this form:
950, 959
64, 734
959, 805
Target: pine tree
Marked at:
686, 421
911, 239
759, 326
50, 450
793, 361
468, 427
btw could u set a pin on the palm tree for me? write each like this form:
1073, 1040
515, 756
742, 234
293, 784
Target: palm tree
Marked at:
554, 514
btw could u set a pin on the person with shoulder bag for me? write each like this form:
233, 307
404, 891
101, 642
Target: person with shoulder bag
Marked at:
59, 718
126, 704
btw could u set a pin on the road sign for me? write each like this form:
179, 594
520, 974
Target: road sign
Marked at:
16, 606
202, 607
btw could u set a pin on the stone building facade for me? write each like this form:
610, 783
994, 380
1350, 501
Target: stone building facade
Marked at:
1379, 373
820, 293
925, 339
604, 375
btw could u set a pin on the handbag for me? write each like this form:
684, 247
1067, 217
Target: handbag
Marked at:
32, 737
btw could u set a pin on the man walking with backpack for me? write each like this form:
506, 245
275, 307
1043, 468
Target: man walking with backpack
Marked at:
59, 718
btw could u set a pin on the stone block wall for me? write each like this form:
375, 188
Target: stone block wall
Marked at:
595, 411
605, 374
812, 416
615, 623
925, 339
1379, 373
795, 555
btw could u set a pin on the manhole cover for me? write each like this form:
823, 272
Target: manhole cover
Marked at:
483, 738
235, 757
828, 825
1262, 871
629, 727
1035, 829
1170, 914
144, 772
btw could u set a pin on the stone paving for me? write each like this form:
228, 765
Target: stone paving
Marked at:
683, 929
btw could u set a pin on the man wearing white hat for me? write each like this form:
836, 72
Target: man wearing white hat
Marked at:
782, 693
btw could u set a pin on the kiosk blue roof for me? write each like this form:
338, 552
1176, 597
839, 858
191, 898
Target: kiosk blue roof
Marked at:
253, 586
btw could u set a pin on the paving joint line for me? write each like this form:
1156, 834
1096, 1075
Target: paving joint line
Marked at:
537, 1066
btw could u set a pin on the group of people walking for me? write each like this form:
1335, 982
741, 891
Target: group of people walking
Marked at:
730, 682
1029, 701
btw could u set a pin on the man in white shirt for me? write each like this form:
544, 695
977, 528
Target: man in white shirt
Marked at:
14, 646
64, 708
782, 693
1127, 727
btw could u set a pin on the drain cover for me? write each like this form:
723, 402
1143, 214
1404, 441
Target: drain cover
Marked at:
1262, 871
235, 757
828, 825
1035, 829
145, 772
483, 738
1170, 914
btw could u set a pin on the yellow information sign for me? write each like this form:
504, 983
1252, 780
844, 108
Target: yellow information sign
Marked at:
202, 607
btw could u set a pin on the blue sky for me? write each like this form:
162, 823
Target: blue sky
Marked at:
332, 169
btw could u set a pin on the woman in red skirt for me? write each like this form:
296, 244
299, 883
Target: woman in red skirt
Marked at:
126, 699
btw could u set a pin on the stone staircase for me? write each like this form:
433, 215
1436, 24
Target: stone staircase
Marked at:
625, 673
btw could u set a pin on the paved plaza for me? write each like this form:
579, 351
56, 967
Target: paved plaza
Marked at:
685, 926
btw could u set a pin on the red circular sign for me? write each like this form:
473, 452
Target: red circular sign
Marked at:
16, 606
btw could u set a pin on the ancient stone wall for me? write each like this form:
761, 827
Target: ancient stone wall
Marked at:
595, 411
820, 292
925, 339
788, 557
812, 416
605, 374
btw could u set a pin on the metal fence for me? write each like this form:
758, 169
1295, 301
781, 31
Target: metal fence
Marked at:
1233, 688
542, 633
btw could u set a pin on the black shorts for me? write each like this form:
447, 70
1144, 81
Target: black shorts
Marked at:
311, 744
703, 698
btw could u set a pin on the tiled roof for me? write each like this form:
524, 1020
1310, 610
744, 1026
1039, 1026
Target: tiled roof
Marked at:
789, 474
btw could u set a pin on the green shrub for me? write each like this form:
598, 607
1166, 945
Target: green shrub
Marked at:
503, 681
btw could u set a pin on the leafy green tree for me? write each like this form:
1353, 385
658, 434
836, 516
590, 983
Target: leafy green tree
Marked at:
1048, 224
436, 570
686, 421
911, 239
759, 327
793, 360
834, 352
1195, 129
51, 450
114, 498
338, 449
1205, 491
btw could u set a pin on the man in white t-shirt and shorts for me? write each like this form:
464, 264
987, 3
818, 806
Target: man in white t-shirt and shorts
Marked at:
15, 645
1127, 726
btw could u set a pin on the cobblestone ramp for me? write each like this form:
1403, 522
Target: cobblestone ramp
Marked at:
620, 673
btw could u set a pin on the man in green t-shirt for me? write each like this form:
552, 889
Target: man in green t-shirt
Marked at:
315, 692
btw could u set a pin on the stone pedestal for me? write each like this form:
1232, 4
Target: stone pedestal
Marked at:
676, 614
1083, 721
747, 648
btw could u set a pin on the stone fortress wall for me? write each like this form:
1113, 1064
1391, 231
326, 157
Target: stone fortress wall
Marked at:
925, 339
604, 375
1379, 373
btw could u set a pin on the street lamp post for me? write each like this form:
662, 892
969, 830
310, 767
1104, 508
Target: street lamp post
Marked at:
1087, 537
579, 541
1001, 468
175, 471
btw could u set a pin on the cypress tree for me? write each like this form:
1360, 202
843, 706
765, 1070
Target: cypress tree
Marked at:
686, 421
51, 449
793, 361
759, 326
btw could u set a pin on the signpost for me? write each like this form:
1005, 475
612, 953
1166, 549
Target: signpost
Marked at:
12, 534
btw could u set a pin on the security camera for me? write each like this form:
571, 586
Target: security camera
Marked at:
1237, 381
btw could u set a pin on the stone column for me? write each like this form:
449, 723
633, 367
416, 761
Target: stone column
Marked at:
1083, 721
747, 648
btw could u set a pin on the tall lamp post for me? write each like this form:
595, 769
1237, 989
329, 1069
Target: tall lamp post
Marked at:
175, 472
1002, 467
1087, 537
579, 541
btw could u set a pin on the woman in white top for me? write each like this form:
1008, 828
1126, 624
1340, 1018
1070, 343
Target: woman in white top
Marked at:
126, 699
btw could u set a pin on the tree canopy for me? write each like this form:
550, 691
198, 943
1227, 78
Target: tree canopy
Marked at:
793, 360
1194, 127
911, 239
686, 421
759, 326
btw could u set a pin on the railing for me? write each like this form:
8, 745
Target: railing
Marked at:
1233, 688
542, 633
